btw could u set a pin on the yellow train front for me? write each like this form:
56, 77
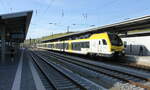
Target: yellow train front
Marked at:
101, 44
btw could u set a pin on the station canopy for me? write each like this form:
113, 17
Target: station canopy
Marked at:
119, 28
15, 25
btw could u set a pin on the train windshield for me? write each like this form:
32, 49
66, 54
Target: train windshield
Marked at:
115, 40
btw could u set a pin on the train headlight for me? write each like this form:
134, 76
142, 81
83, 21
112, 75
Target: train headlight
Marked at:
123, 51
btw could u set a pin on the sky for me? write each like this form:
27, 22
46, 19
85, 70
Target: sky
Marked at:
57, 16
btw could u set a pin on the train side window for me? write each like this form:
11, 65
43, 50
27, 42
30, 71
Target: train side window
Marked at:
67, 46
104, 42
87, 44
99, 42
125, 44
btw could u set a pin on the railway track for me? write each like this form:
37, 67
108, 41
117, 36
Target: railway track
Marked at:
46, 82
137, 79
130, 65
116, 61
60, 78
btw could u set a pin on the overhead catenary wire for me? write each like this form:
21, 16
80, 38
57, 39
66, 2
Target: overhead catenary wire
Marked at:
62, 14
6, 5
45, 10
50, 5
85, 16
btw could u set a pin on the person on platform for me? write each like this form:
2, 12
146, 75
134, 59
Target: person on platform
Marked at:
130, 48
12, 54
141, 51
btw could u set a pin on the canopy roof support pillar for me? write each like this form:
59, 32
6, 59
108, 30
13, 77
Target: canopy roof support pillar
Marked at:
2, 29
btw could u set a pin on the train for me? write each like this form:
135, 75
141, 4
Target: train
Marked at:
99, 44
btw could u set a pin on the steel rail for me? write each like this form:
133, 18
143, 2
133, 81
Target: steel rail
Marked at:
116, 76
82, 86
43, 73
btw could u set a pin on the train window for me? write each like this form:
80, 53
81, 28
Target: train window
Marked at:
79, 45
104, 41
66, 46
54, 45
115, 40
86, 44
125, 44
99, 42
83, 44
49, 45
44, 45
76, 46
61, 45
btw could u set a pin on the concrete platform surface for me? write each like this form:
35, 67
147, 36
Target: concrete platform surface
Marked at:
141, 60
18, 74
7, 72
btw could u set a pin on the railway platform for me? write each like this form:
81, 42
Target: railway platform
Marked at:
141, 60
18, 74
15, 72
22, 73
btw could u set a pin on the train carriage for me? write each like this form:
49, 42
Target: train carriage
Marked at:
100, 44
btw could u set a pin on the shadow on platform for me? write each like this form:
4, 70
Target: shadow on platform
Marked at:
137, 50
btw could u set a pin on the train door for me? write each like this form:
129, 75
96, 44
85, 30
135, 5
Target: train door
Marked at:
103, 46
94, 46
100, 46
63, 46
